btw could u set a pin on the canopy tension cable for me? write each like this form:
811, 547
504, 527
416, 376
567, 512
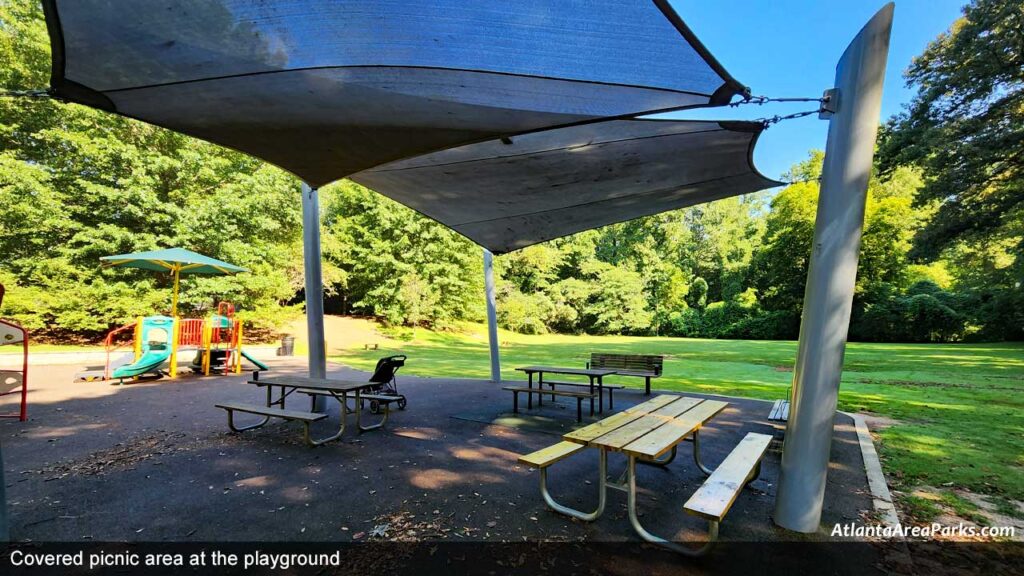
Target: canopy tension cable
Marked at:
823, 108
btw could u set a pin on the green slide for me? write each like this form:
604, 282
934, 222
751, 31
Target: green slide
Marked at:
254, 361
149, 362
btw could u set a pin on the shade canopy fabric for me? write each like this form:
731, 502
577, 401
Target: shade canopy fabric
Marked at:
171, 259
510, 122
511, 193
327, 89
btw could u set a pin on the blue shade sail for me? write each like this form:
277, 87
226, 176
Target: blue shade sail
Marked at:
509, 193
326, 89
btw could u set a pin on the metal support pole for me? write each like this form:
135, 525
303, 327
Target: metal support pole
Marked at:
492, 316
314, 285
831, 275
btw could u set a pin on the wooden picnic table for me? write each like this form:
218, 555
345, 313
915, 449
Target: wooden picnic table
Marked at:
337, 389
595, 375
648, 433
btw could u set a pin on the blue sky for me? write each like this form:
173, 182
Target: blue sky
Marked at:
790, 48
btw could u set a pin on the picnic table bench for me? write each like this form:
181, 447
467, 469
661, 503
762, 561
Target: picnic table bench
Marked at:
641, 365
275, 407
595, 387
649, 433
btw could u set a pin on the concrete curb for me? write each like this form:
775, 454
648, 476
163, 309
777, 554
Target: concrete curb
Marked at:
880, 496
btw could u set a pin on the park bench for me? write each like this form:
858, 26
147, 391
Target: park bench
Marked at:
609, 387
579, 396
779, 411
306, 418
640, 365
717, 494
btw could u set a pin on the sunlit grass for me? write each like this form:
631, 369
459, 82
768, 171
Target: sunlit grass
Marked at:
960, 408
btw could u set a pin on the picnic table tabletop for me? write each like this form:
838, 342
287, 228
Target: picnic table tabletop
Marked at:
650, 429
566, 370
325, 384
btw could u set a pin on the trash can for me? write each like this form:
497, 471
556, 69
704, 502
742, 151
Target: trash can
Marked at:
287, 346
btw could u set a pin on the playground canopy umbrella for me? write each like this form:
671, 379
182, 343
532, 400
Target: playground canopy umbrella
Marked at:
175, 261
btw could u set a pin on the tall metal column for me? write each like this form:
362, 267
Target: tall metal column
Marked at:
831, 275
492, 316
314, 285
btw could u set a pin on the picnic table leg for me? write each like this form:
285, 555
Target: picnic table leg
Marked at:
696, 454
602, 473
529, 395
359, 415
540, 386
634, 519
600, 392
647, 385
341, 429
231, 423
591, 395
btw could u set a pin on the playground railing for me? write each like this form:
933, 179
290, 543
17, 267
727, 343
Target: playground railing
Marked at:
190, 332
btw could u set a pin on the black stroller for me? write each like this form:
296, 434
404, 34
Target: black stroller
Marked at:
384, 376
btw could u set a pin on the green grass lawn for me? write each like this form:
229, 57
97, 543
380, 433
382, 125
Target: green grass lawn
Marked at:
959, 407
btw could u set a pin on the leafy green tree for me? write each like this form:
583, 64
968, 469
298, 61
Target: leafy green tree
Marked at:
965, 128
618, 304
386, 244
77, 184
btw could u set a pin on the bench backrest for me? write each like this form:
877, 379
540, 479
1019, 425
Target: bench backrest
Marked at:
642, 363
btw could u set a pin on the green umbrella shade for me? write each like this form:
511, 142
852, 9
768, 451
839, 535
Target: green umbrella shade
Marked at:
171, 260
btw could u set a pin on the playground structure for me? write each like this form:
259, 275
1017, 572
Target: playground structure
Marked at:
14, 381
216, 340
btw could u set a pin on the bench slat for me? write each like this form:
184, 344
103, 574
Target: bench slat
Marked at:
629, 364
592, 431
550, 392
551, 454
276, 412
661, 440
582, 384
377, 397
718, 493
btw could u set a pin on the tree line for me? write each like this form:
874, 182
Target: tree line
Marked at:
940, 257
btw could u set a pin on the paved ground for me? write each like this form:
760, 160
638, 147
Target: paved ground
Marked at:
154, 462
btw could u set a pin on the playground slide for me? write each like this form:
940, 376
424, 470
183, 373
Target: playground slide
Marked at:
254, 361
149, 362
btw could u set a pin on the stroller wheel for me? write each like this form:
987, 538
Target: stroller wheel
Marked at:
374, 406
401, 403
